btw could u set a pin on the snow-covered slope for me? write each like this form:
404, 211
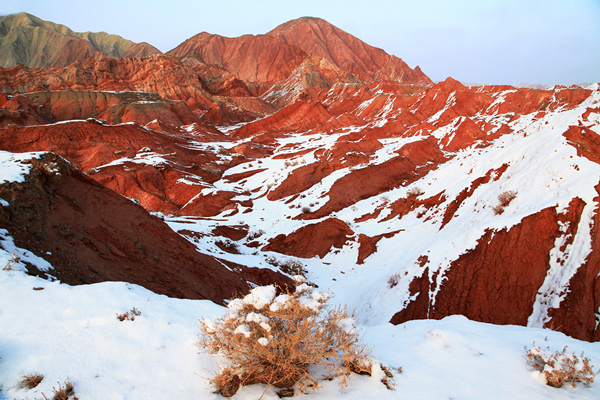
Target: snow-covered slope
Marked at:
417, 207
72, 333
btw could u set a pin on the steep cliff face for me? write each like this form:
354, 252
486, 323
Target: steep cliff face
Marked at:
29, 41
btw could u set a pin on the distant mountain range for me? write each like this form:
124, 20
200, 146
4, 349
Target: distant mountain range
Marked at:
29, 41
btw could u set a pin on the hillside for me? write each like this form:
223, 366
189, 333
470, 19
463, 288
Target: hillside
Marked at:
162, 181
29, 41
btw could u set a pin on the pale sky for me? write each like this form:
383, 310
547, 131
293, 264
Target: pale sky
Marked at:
474, 41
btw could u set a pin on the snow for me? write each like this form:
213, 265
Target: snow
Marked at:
71, 332
12, 168
260, 297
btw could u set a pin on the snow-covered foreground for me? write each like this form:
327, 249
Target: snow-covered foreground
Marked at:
73, 333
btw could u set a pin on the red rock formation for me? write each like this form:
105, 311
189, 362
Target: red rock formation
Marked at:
260, 60
314, 76
312, 240
301, 116
317, 36
89, 145
163, 75
90, 234
489, 283
375, 179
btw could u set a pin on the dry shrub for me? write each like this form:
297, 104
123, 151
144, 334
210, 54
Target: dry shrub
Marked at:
31, 381
273, 339
506, 197
129, 315
63, 392
228, 246
414, 192
561, 366
504, 200
393, 280
290, 267
13, 262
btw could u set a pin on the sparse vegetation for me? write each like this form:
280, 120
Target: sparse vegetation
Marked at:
12, 263
222, 150
306, 210
290, 267
561, 367
504, 200
63, 392
290, 163
255, 234
227, 245
414, 192
31, 381
129, 315
273, 339
393, 280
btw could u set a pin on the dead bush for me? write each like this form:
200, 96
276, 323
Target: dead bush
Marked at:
228, 246
504, 200
506, 197
414, 192
272, 339
63, 392
255, 234
15, 259
561, 366
290, 267
393, 280
31, 381
129, 315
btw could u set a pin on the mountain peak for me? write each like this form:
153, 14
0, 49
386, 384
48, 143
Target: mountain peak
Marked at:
341, 49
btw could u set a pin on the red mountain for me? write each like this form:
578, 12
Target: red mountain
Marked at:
317, 36
439, 199
260, 61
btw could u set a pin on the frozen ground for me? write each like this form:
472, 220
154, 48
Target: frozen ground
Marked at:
73, 333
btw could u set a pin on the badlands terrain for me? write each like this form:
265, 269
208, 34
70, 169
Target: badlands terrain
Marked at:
192, 176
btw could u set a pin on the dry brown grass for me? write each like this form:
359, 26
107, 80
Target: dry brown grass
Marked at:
31, 381
561, 366
274, 341
63, 392
13, 262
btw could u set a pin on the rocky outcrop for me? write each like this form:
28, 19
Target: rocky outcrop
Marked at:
312, 240
29, 41
307, 82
